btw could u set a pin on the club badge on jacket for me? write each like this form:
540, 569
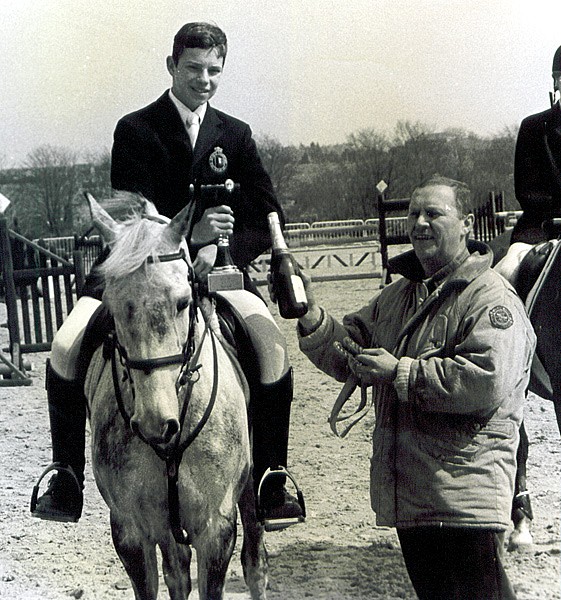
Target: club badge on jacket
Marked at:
218, 161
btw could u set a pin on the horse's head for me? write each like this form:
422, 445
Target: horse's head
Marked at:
148, 292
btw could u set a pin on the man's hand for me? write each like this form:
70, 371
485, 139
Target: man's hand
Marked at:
310, 320
215, 221
374, 365
203, 263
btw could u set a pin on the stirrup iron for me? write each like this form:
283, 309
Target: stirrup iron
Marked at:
277, 524
58, 467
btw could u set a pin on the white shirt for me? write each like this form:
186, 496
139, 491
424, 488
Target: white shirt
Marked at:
185, 112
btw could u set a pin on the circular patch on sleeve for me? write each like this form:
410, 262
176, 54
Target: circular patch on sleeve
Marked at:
501, 317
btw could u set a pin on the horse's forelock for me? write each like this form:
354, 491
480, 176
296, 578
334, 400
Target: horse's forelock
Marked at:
137, 240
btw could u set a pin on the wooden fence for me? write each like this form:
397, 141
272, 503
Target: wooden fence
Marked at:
39, 289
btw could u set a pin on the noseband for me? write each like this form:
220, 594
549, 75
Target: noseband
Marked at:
188, 376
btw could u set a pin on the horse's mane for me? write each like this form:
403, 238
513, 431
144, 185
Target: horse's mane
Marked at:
136, 240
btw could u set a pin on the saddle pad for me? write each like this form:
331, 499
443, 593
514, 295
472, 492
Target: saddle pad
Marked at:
544, 308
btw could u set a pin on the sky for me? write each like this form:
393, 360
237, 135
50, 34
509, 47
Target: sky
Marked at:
300, 71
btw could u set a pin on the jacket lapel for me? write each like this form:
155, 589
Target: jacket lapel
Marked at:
170, 121
553, 142
208, 134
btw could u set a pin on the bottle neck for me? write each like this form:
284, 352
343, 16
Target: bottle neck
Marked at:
277, 239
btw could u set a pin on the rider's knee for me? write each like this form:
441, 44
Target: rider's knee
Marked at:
266, 337
67, 342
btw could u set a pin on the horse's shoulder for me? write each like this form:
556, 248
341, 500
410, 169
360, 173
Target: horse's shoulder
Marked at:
94, 372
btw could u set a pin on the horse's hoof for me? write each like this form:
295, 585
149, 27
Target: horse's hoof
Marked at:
520, 539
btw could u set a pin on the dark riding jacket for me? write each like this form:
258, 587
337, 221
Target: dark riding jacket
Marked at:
446, 433
537, 173
152, 155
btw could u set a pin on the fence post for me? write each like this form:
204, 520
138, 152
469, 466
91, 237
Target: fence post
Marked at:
16, 364
78, 260
382, 234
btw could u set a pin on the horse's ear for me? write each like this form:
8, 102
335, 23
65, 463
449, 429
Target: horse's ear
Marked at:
107, 226
149, 208
180, 225
124, 204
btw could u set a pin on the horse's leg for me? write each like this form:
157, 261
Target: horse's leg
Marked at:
214, 551
557, 407
521, 508
254, 554
176, 565
138, 558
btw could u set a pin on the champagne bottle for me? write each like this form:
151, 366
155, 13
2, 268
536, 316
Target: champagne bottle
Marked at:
287, 283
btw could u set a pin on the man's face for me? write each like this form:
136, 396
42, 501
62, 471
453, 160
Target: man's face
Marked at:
557, 80
196, 75
436, 229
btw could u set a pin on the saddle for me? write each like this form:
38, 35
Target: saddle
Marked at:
531, 266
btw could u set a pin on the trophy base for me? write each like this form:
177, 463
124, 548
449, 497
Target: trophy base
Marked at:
226, 280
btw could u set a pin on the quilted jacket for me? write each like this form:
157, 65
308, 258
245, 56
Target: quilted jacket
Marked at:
446, 432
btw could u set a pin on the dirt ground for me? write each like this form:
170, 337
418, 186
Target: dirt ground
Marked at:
338, 554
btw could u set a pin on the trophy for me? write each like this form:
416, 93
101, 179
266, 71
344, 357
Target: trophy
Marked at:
224, 275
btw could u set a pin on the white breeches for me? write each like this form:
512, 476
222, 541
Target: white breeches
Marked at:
68, 339
509, 265
265, 335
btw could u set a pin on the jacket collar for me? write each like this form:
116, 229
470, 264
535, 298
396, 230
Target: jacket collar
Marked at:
172, 125
480, 258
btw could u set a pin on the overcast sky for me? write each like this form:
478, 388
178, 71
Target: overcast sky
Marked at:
300, 70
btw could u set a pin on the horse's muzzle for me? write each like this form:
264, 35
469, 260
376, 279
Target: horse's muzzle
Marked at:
166, 433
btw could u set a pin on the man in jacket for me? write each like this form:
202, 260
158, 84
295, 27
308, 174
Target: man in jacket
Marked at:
448, 354
160, 151
157, 153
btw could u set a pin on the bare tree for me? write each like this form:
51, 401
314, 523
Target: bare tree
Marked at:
279, 161
54, 186
369, 160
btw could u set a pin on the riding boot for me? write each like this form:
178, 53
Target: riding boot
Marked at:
63, 499
270, 416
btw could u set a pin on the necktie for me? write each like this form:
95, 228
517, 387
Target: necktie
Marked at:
193, 128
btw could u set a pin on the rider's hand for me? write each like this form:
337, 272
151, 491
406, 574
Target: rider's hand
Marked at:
203, 263
215, 221
374, 365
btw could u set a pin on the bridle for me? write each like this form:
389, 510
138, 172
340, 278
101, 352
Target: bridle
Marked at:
188, 376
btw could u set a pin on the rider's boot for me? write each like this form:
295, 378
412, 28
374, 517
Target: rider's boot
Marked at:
63, 499
270, 422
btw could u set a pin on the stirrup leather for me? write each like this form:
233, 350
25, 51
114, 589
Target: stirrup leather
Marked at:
276, 524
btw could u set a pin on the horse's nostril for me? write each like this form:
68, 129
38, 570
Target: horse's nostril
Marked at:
171, 427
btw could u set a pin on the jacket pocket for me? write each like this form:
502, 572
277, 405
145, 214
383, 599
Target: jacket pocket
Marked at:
434, 340
449, 451
462, 445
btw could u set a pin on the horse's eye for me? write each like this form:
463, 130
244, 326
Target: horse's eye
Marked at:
182, 304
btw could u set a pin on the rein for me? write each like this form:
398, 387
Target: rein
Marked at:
188, 376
